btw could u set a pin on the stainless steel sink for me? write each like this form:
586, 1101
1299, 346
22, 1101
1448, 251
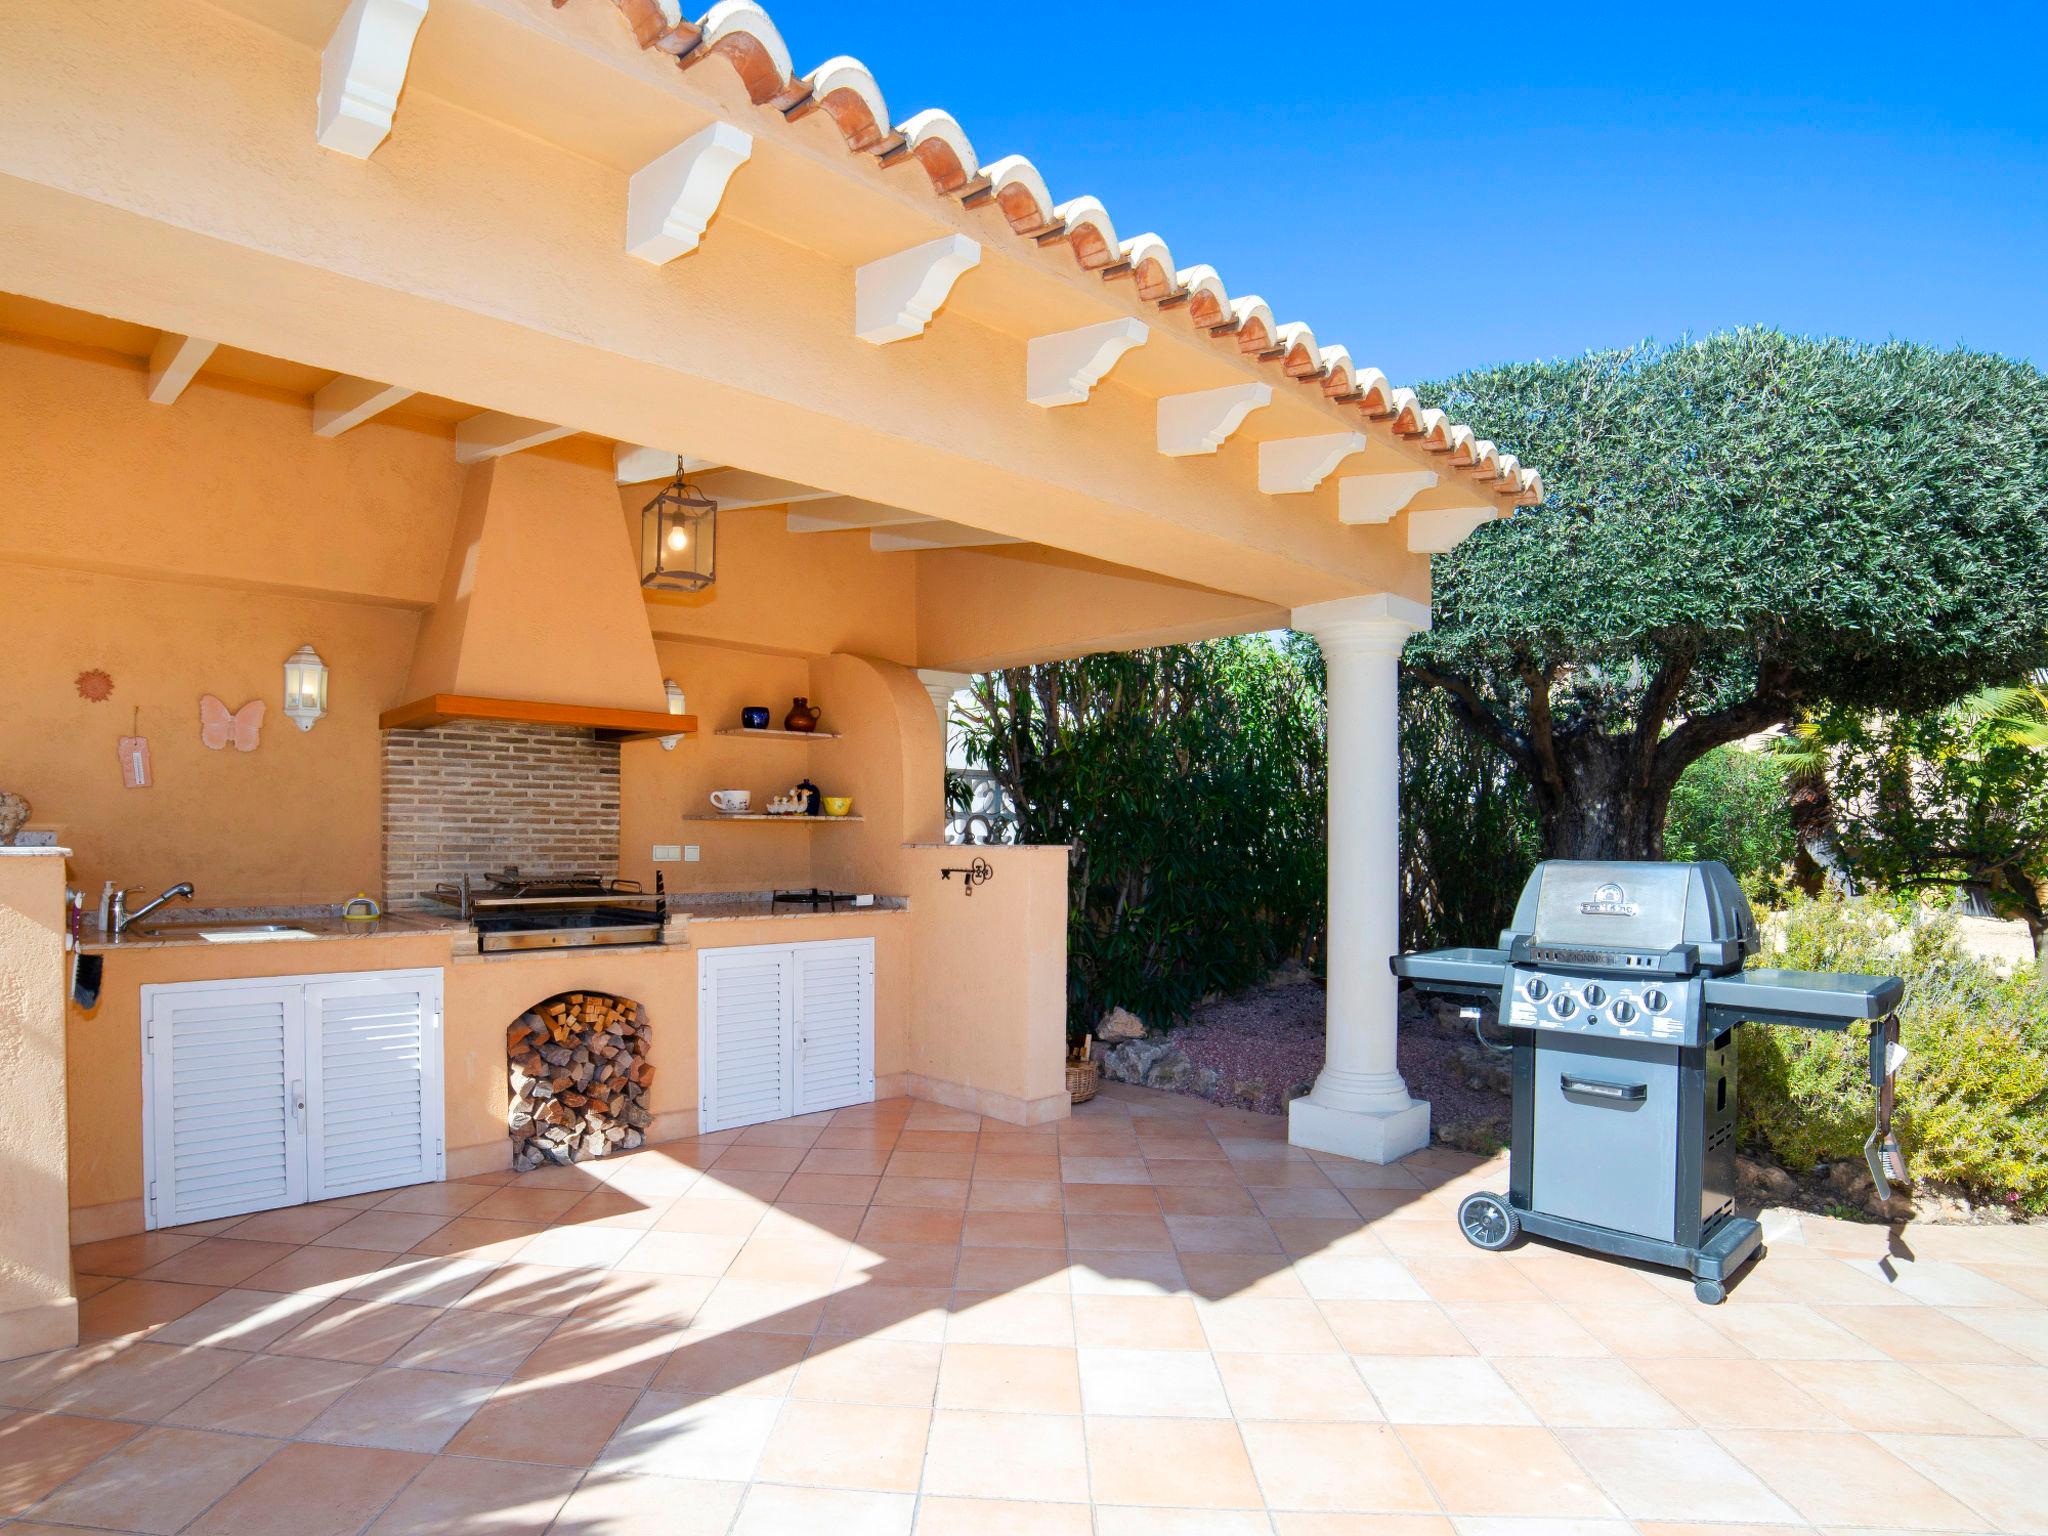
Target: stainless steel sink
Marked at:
228, 930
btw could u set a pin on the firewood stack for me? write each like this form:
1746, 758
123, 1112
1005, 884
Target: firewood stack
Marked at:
580, 1072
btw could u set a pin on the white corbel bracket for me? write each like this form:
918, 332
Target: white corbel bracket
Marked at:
1203, 421
1290, 466
671, 199
345, 403
633, 464
362, 70
1060, 369
895, 298
1439, 530
173, 363
493, 434
1376, 498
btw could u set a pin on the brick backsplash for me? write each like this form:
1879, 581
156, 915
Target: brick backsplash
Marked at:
471, 798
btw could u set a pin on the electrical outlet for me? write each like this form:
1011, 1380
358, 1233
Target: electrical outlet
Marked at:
667, 853
689, 853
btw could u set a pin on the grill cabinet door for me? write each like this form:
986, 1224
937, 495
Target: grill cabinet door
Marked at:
373, 1069
223, 1095
745, 1036
835, 1025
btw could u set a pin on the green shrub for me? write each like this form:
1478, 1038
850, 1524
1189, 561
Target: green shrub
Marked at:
1730, 805
1973, 1093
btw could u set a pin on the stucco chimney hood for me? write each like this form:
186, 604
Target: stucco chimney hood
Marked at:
540, 617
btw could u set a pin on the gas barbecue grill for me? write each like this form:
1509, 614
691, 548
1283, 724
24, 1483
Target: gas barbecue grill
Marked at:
571, 911
1621, 986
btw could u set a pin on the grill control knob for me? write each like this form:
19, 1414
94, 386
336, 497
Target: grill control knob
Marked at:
1655, 1000
1563, 1006
1537, 989
1622, 1011
1593, 994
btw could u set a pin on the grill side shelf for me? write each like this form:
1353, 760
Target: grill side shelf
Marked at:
1472, 972
1809, 999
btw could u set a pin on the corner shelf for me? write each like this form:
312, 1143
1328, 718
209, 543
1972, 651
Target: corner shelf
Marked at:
741, 730
767, 816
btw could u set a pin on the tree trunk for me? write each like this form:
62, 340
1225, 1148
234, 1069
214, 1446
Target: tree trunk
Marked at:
1810, 804
1598, 809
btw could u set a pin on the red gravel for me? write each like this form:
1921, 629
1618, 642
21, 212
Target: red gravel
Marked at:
1266, 1046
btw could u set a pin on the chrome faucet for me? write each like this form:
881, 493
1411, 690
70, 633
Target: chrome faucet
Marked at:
124, 919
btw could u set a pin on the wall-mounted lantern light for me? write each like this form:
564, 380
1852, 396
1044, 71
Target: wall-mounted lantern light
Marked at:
676, 706
679, 538
305, 687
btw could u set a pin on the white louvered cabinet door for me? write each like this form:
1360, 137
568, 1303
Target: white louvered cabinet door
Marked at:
835, 1025
373, 1076
223, 1100
745, 1008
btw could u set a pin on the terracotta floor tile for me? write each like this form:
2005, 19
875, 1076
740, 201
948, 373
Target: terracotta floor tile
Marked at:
2017, 1395
1241, 1276
899, 1372
1434, 1389
401, 1410
310, 1271
561, 1424
933, 1265
1087, 1169
421, 1282
1091, 1273
711, 1218
1322, 1202
1735, 1394
619, 1503
770, 1306
1035, 1168
773, 1510
679, 1253
311, 1490
1656, 1331
1522, 1328
707, 1363
579, 1247
1026, 1317
1335, 1277
1007, 1456
1269, 1326
478, 1498
536, 1289
268, 1395
136, 1306
1017, 1195
598, 1354
2005, 1479
474, 1342
1672, 1474
670, 1435
851, 1190
1873, 1395
930, 1165
126, 1256
1195, 1463
643, 1301
361, 1332
1315, 1238
1476, 1279
1322, 1388
1216, 1199
758, 1159
157, 1482
519, 1203
1151, 1383
388, 1231
1788, 1331
434, 1199
218, 1261
1016, 1229
144, 1381
240, 1319
1009, 1378
804, 1220
1393, 1328
614, 1208
1358, 1468
1011, 1269
25, 1379
1139, 1232
41, 1451
930, 1194
1000, 1517
814, 1260
910, 1225
866, 1162
1845, 1479
1939, 1284
1590, 1394
1495, 1470
2024, 1330
847, 1445
1138, 1322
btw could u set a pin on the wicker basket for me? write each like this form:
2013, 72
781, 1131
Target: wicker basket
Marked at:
1084, 1077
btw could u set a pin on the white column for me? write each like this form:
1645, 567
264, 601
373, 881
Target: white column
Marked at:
942, 686
1360, 1106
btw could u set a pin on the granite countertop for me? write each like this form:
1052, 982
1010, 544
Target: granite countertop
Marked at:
180, 927
749, 906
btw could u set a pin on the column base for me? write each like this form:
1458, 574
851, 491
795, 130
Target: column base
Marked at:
1371, 1138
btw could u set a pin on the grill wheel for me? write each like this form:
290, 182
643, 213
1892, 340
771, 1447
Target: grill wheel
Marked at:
1488, 1222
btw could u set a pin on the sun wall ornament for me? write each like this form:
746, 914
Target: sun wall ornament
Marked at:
95, 686
218, 725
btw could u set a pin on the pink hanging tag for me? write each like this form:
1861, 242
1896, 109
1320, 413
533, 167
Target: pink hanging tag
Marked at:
135, 772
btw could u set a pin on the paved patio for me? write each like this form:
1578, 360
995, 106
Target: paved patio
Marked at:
1156, 1318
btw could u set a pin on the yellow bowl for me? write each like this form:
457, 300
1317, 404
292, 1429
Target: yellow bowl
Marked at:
838, 805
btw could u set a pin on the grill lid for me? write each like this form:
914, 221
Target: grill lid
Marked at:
1654, 908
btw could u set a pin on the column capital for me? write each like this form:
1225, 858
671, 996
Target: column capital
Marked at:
1376, 621
940, 688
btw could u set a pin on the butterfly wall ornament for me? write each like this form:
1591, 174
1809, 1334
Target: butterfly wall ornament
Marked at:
218, 725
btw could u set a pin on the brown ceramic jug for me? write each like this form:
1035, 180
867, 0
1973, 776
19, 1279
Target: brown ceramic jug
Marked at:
802, 716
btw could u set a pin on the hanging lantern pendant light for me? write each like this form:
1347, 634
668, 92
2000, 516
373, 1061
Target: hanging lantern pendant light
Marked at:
679, 538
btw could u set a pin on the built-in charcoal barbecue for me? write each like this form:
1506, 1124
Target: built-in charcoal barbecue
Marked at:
515, 911
1621, 987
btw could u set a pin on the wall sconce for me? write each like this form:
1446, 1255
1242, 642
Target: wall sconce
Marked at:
674, 690
305, 687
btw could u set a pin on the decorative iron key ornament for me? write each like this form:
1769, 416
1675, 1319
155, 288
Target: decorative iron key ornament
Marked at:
975, 873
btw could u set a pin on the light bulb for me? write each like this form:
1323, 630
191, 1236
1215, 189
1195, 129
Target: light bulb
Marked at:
678, 537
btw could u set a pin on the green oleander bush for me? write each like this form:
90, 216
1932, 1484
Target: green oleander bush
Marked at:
1973, 1093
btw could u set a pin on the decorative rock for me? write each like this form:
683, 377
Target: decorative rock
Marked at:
1120, 1024
13, 815
1770, 1183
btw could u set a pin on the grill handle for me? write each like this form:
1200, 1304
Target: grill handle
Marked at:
1626, 1093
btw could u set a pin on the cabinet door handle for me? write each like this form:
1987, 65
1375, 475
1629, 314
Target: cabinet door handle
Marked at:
299, 1100
1629, 1093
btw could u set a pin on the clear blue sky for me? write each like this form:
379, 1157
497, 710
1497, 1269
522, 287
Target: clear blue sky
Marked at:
1587, 177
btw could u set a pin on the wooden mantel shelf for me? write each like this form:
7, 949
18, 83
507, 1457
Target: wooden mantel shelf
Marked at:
610, 724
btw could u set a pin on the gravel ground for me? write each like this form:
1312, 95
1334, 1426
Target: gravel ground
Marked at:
1267, 1046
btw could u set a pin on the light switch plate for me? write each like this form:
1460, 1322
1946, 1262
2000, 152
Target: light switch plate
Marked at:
689, 853
668, 853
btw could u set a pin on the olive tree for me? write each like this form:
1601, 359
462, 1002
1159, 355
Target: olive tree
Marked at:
1736, 530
